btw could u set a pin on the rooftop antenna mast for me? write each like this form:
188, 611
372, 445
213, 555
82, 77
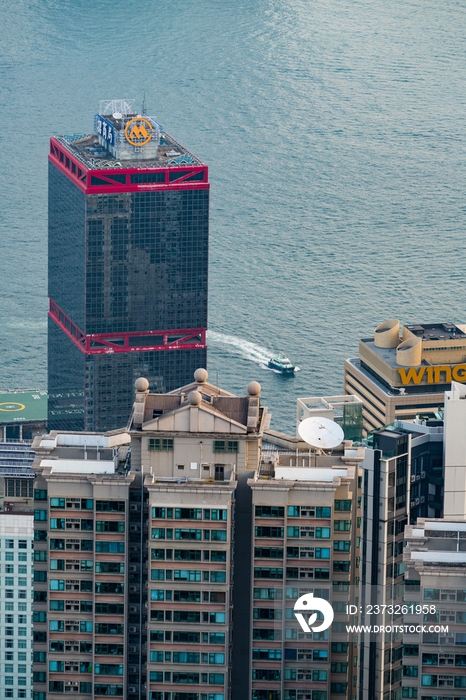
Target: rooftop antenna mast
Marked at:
144, 104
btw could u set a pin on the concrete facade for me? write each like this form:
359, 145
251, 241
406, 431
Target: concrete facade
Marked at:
16, 598
455, 452
403, 480
134, 592
434, 661
306, 538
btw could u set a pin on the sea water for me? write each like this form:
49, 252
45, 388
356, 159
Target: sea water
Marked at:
334, 132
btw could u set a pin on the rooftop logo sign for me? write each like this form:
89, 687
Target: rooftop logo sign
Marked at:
433, 374
138, 131
105, 130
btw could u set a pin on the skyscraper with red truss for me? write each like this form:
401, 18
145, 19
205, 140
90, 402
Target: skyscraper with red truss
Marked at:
128, 266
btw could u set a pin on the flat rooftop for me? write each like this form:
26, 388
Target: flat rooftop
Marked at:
23, 406
87, 149
447, 333
438, 331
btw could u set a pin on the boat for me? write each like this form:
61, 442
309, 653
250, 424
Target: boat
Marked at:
280, 363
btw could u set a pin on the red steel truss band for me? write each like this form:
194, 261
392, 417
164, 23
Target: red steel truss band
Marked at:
108, 343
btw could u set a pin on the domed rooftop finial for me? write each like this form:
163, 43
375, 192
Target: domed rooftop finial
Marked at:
254, 389
200, 375
141, 384
194, 398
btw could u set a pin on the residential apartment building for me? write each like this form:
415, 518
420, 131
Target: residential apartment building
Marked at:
306, 538
82, 506
434, 661
403, 480
16, 600
136, 571
198, 446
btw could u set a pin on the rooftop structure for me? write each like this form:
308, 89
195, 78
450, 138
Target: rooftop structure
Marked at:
345, 410
23, 414
404, 370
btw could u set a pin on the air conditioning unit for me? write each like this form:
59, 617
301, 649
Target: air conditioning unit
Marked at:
133, 629
133, 589
132, 649
423, 475
416, 501
133, 567
133, 669
413, 478
132, 689
134, 507
412, 504
134, 528
133, 608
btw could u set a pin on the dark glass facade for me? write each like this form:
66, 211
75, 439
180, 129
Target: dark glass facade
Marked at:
122, 262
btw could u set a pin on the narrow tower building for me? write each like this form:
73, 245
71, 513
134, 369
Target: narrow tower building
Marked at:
128, 256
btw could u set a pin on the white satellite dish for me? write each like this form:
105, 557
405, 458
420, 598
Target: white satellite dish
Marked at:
321, 432
117, 115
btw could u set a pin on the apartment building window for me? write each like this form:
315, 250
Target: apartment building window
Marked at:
74, 503
266, 613
342, 525
108, 587
268, 531
215, 514
273, 654
20, 488
187, 596
109, 567
160, 444
188, 534
268, 572
225, 446
110, 506
342, 505
110, 525
269, 552
268, 593
188, 513
110, 547
215, 535
270, 511
341, 566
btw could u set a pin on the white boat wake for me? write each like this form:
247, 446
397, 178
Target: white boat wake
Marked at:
244, 348
241, 347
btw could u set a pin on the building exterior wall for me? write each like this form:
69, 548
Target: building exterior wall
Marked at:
81, 533
403, 480
455, 452
383, 406
16, 593
191, 560
124, 258
434, 661
306, 538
